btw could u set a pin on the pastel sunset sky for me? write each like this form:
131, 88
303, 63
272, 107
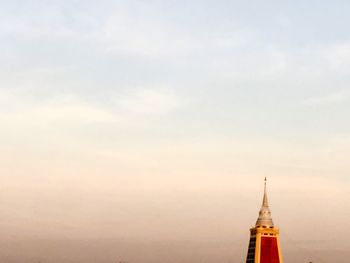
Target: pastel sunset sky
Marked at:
141, 131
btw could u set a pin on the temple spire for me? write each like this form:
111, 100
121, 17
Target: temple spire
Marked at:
265, 202
264, 218
264, 243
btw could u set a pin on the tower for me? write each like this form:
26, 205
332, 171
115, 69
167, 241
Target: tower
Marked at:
264, 243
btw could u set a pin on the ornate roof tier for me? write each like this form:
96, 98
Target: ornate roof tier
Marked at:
264, 219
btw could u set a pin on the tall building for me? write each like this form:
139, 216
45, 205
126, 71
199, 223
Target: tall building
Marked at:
264, 243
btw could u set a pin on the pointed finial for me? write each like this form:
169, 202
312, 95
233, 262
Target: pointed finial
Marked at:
265, 202
264, 213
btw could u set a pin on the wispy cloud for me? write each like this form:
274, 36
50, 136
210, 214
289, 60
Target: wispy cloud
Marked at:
62, 110
69, 109
149, 102
123, 34
333, 98
339, 55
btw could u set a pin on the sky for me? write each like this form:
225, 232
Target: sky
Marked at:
141, 131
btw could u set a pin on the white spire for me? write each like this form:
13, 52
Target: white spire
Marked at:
264, 218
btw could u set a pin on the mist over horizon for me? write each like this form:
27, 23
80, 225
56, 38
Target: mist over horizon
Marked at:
101, 250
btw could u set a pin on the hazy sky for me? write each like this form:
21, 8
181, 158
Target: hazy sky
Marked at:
141, 131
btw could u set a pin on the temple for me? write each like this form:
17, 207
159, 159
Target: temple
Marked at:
264, 243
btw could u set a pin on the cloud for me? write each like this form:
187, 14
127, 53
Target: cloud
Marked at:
333, 98
339, 55
65, 110
60, 110
149, 102
146, 35
124, 35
